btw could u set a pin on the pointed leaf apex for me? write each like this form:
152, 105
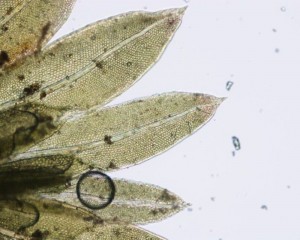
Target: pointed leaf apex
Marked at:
220, 100
182, 9
174, 13
179, 11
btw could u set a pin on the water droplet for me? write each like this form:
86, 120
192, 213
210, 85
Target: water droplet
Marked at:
229, 84
264, 207
95, 190
236, 143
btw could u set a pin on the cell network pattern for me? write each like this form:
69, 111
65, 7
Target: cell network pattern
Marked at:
58, 141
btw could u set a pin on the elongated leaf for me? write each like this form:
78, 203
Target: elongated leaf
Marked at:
126, 134
133, 202
91, 66
118, 232
51, 220
53, 128
26, 26
35, 168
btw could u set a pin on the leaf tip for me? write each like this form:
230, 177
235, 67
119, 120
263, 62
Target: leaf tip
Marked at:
174, 15
220, 100
178, 11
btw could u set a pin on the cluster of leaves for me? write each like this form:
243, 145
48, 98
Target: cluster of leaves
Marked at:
54, 127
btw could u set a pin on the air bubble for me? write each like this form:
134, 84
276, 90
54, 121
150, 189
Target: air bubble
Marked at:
95, 190
229, 84
236, 143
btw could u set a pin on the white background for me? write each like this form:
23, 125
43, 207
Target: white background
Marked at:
255, 44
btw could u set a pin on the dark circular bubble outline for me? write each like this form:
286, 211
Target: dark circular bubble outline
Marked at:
110, 182
36, 219
34, 208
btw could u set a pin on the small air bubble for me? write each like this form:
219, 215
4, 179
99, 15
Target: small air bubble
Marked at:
95, 190
264, 207
229, 84
236, 143
282, 9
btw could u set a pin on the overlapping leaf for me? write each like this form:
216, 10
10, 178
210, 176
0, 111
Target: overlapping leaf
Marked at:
133, 203
126, 134
27, 25
94, 64
49, 219
53, 127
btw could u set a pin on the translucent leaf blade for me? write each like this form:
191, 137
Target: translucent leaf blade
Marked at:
119, 232
60, 221
91, 66
26, 26
56, 221
8, 8
134, 203
126, 134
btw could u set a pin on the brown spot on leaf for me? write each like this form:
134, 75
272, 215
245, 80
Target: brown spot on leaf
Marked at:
21, 77
88, 219
43, 95
117, 232
112, 166
4, 58
156, 211
30, 90
99, 64
107, 139
93, 37
171, 21
98, 221
9, 10
166, 196
39, 235
4, 28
